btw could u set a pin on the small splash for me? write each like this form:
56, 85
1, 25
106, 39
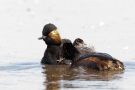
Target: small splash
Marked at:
101, 23
92, 27
126, 47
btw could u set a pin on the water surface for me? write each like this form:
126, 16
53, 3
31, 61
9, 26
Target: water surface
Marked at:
34, 76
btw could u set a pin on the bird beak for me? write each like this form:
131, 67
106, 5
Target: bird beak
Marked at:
42, 37
85, 44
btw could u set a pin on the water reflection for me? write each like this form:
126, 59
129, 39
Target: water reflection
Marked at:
21, 76
58, 77
34, 76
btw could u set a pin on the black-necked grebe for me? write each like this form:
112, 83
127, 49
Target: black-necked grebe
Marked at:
92, 60
53, 41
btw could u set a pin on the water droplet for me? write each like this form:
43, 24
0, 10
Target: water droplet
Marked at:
102, 23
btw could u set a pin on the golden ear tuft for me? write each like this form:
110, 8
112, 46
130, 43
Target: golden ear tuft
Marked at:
55, 35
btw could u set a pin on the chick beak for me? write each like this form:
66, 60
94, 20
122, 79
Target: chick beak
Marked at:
84, 44
42, 37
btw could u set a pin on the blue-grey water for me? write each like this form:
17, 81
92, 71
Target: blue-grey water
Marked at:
34, 76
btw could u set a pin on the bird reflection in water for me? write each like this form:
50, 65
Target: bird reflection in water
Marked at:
61, 76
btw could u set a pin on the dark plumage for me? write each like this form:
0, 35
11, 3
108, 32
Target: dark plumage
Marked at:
51, 37
48, 28
92, 60
62, 59
79, 42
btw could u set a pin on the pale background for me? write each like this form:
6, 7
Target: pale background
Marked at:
108, 25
